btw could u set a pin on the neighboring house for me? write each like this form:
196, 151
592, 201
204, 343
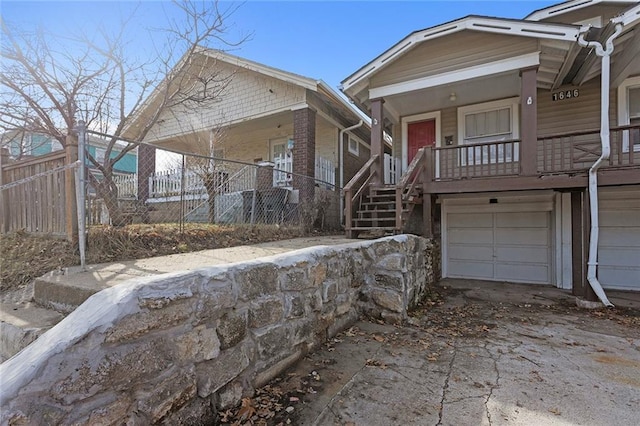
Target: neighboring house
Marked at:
264, 114
23, 145
496, 123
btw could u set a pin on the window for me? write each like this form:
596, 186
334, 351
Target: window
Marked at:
489, 122
354, 146
629, 112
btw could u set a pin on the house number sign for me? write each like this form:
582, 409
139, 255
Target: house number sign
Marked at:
565, 94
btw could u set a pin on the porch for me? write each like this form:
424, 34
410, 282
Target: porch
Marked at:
559, 161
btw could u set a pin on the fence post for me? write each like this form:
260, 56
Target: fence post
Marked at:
81, 192
71, 156
4, 196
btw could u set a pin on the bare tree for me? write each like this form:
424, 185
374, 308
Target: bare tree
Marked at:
46, 88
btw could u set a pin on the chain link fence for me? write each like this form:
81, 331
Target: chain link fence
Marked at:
150, 185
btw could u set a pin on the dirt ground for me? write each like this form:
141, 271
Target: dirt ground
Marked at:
24, 257
472, 354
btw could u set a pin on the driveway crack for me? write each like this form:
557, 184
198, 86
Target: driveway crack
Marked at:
445, 386
496, 359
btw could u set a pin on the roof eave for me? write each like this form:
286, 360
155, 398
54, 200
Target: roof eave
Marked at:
474, 23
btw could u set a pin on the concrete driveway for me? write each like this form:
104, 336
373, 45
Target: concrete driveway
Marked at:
478, 353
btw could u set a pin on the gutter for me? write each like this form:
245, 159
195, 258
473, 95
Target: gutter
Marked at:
605, 54
341, 165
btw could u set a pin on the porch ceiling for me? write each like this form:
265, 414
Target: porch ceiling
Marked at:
466, 92
198, 142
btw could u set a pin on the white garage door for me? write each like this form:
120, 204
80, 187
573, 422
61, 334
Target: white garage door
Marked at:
501, 246
619, 245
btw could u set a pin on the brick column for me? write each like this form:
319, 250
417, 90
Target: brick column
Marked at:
264, 175
304, 153
146, 169
528, 121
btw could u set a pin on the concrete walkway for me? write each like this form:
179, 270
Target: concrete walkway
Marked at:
67, 290
484, 354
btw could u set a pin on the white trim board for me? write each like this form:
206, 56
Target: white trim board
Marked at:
490, 68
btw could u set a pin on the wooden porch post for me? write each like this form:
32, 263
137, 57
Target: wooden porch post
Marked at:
377, 139
71, 215
427, 199
580, 224
528, 121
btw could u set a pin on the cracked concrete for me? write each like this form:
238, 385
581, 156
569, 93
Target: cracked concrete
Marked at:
528, 359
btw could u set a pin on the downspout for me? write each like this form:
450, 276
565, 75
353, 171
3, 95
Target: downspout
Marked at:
605, 54
341, 148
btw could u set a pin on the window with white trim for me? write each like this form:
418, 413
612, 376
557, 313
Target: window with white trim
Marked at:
629, 112
354, 146
480, 124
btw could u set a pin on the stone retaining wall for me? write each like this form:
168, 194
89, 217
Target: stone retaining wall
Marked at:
178, 347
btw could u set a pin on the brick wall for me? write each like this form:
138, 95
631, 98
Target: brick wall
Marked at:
304, 152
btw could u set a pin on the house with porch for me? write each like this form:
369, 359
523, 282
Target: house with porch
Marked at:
312, 137
496, 124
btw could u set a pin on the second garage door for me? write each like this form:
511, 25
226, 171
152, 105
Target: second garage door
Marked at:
501, 246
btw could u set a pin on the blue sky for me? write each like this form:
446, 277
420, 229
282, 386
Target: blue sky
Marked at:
327, 40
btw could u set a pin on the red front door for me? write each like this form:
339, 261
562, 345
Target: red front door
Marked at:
420, 133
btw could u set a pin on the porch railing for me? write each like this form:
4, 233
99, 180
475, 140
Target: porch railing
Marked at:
391, 169
127, 185
568, 152
325, 172
477, 160
408, 189
356, 189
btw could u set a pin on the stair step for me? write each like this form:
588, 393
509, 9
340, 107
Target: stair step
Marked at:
364, 221
21, 324
372, 228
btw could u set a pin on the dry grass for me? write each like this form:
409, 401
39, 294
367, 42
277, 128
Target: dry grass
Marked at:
25, 257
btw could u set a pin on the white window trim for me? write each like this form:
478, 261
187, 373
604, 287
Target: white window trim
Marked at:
623, 110
512, 103
355, 151
405, 134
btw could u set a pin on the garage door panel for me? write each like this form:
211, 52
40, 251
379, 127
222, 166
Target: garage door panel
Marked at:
522, 220
619, 278
471, 253
527, 236
619, 248
471, 220
619, 237
472, 235
521, 272
468, 269
621, 218
522, 254
620, 256
508, 246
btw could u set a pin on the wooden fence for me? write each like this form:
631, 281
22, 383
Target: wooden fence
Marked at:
38, 204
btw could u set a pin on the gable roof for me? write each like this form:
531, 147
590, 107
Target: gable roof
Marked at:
540, 30
308, 83
570, 6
